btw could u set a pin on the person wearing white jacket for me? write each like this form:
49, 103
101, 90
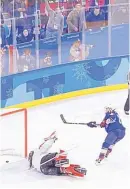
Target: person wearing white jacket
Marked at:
54, 163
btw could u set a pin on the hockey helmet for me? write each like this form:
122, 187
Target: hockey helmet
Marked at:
109, 109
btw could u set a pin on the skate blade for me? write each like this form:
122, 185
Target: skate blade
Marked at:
106, 159
101, 163
97, 163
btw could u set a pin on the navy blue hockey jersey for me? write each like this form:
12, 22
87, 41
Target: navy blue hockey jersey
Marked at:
112, 122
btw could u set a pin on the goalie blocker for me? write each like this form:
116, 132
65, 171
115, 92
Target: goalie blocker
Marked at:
53, 163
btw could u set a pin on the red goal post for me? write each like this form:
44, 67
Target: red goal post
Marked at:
15, 111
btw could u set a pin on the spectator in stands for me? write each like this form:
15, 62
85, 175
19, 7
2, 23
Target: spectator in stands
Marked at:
2, 65
55, 23
30, 11
76, 19
16, 8
10, 37
44, 20
95, 15
3, 47
31, 8
120, 14
26, 61
5, 4
46, 61
119, 1
3, 41
27, 22
7, 32
25, 37
1, 18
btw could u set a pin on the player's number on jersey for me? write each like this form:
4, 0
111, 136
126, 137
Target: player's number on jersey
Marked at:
120, 121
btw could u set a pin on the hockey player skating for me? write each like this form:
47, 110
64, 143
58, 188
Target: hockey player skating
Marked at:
115, 132
54, 163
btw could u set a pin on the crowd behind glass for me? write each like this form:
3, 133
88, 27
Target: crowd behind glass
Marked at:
26, 21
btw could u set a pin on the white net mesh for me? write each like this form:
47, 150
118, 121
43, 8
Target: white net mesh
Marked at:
9, 152
12, 135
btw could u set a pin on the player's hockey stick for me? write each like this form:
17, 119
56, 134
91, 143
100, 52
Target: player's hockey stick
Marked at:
66, 122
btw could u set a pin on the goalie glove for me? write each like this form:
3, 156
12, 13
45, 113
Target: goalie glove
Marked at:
92, 124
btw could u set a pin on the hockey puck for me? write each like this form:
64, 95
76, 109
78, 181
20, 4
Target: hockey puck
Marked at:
7, 161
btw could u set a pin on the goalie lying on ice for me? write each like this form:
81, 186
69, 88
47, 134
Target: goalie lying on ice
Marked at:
53, 163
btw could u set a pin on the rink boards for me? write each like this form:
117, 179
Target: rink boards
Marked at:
70, 95
47, 85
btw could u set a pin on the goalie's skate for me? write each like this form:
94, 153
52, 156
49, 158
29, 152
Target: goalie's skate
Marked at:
74, 170
52, 136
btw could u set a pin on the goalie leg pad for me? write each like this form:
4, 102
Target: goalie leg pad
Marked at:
46, 158
51, 171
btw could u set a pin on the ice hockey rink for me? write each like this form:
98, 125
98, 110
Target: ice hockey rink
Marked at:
86, 143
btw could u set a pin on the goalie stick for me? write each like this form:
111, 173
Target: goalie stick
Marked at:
66, 122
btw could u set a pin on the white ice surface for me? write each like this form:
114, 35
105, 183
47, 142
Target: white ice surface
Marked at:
42, 120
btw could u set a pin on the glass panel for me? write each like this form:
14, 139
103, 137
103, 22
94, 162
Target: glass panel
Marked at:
119, 24
96, 37
120, 14
48, 52
25, 29
53, 18
51, 29
71, 47
45, 33
26, 57
15, 8
26, 49
6, 47
72, 39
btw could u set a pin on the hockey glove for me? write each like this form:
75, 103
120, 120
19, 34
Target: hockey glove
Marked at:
92, 124
103, 124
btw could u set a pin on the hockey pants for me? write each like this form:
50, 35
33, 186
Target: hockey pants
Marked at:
113, 137
49, 167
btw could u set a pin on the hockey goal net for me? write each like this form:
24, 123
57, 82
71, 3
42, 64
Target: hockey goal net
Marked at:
13, 131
